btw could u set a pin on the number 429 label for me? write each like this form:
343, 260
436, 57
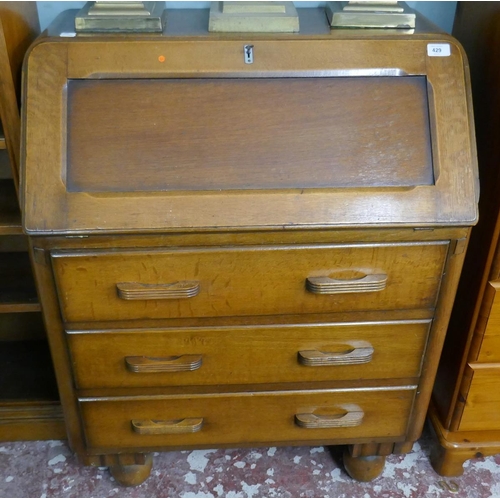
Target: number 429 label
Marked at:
438, 49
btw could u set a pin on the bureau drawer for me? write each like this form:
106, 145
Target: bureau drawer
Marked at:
482, 401
246, 418
256, 354
214, 282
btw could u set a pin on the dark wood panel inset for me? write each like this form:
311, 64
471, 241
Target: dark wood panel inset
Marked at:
17, 285
26, 371
212, 134
27, 326
10, 215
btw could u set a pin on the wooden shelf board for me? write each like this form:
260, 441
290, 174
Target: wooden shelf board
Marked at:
11, 227
20, 307
31, 420
10, 215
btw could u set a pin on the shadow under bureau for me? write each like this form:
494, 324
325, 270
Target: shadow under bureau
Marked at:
234, 254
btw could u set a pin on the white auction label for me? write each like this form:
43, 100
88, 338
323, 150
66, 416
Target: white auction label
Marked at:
438, 49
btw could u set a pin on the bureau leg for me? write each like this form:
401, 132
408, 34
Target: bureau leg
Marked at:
133, 474
363, 468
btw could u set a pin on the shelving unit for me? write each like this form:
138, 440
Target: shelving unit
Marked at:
29, 402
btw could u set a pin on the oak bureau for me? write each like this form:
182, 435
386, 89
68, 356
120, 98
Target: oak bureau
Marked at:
233, 254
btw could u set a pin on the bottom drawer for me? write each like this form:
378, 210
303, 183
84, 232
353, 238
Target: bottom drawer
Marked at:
246, 418
482, 401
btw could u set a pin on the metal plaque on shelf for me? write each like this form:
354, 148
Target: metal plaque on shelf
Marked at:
121, 16
370, 14
245, 17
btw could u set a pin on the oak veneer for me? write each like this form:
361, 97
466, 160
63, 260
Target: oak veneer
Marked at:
244, 281
228, 417
247, 354
236, 156
203, 291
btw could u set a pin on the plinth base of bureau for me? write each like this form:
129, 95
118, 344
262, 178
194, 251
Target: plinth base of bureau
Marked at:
450, 450
363, 462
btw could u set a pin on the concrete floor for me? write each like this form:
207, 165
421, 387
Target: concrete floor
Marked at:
45, 469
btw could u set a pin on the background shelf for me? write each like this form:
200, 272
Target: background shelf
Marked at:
26, 371
29, 400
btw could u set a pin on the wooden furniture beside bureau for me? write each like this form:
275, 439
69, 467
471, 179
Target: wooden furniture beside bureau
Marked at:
29, 406
466, 406
236, 254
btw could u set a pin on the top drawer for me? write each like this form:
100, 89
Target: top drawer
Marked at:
239, 281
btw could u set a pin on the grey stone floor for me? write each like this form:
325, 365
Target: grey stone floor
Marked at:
43, 469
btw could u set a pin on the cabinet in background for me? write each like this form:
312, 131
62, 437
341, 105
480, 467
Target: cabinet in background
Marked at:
29, 401
466, 404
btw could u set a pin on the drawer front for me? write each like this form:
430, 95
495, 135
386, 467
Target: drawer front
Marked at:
490, 312
214, 282
245, 418
482, 401
257, 354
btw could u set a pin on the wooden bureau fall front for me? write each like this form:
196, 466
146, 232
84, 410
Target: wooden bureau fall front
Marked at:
234, 254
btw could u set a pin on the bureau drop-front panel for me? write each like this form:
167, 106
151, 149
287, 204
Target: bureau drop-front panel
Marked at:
296, 152
236, 254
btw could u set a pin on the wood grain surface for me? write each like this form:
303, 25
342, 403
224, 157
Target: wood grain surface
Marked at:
248, 134
257, 354
247, 280
231, 418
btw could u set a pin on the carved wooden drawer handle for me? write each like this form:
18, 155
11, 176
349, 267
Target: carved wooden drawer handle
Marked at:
312, 421
354, 356
141, 291
144, 364
326, 285
181, 426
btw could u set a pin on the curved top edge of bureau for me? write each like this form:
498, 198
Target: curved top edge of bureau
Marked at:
51, 208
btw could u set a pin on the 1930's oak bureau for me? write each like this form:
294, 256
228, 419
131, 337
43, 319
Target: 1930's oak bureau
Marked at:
234, 254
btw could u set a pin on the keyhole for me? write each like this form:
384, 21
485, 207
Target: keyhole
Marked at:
248, 54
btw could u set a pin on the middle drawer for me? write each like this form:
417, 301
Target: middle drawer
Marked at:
243, 355
239, 281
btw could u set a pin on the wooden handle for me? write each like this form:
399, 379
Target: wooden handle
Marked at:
312, 421
353, 356
144, 364
181, 426
326, 285
141, 291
